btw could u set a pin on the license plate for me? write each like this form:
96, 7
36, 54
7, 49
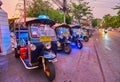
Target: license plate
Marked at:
45, 38
65, 34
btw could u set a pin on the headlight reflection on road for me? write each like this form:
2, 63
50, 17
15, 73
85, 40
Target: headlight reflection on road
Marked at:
106, 37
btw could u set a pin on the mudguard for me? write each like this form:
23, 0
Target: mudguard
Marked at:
49, 55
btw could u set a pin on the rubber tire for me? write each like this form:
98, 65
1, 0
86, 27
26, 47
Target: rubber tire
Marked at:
67, 45
52, 70
86, 39
16, 53
79, 42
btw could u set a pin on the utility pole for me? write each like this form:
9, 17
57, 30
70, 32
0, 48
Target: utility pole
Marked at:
24, 12
62, 6
64, 10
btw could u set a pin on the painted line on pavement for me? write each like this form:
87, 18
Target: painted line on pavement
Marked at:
108, 48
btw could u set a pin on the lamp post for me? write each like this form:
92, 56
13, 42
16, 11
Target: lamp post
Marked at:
64, 10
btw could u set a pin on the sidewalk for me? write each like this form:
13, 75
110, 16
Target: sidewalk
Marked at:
3, 63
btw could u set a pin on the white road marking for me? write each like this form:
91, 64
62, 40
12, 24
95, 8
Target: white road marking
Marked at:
108, 48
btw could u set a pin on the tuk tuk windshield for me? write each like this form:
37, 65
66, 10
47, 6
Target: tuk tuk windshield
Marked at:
43, 33
75, 30
62, 31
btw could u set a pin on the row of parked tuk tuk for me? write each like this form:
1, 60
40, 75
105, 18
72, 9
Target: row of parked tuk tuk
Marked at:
37, 45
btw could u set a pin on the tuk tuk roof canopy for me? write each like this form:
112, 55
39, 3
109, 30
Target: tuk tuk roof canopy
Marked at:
62, 25
42, 19
76, 26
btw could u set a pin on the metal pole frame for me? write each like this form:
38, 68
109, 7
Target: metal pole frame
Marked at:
24, 12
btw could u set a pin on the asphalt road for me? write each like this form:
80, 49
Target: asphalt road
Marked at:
97, 61
108, 49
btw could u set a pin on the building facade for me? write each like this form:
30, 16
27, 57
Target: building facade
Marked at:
5, 43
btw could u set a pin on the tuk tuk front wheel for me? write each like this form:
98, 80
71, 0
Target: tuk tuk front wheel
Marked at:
79, 44
86, 39
16, 53
67, 49
49, 70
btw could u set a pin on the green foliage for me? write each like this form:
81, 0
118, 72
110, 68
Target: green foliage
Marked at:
40, 7
111, 21
68, 19
81, 9
96, 23
107, 19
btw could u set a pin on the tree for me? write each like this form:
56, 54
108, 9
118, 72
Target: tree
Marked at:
107, 19
96, 23
112, 21
37, 8
117, 8
80, 10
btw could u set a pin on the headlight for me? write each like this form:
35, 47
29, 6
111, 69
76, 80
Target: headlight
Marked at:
48, 45
65, 34
58, 44
32, 47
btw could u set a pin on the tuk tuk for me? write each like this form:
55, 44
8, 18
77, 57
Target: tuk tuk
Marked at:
63, 35
77, 31
76, 36
35, 44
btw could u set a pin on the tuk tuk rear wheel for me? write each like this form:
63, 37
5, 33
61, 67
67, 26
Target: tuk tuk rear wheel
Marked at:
49, 70
16, 53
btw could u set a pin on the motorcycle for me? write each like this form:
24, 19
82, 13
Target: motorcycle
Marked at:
63, 34
34, 45
76, 35
105, 30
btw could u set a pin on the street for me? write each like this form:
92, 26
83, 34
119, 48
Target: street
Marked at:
97, 61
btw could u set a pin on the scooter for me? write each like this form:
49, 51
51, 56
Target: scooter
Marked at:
105, 31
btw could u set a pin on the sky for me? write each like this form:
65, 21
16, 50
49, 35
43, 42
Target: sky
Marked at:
99, 7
